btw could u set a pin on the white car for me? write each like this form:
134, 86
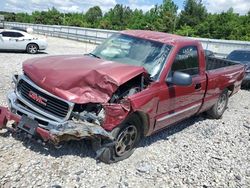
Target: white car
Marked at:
21, 41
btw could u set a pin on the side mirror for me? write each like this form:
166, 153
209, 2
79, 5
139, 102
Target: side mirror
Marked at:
180, 79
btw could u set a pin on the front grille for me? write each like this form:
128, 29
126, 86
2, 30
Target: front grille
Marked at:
53, 105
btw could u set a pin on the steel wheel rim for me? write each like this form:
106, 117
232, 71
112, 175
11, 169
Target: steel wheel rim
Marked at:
221, 103
32, 49
126, 140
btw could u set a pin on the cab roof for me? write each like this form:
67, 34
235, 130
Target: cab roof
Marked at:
157, 36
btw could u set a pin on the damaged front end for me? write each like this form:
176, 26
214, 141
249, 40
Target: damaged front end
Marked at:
30, 110
72, 130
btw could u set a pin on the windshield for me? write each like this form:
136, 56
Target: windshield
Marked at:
239, 56
134, 51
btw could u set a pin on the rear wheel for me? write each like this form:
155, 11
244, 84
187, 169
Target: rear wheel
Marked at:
127, 137
220, 106
32, 48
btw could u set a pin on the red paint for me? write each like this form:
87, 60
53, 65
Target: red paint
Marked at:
156, 36
45, 134
160, 100
83, 79
6, 115
79, 79
114, 115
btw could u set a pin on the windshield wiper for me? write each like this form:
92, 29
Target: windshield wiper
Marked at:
94, 55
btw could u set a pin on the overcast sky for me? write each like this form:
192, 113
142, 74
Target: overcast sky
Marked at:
239, 6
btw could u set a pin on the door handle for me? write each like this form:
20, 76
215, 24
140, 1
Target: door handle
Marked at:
198, 87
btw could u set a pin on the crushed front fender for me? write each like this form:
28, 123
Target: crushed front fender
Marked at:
115, 114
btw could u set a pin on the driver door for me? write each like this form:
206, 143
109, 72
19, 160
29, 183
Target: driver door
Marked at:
19, 43
7, 41
179, 102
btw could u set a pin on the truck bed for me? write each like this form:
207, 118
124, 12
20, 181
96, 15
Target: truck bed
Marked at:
213, 63
221, 74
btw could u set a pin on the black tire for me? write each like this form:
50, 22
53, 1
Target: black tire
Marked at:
32, 48
127, 135
245, 85
220, 106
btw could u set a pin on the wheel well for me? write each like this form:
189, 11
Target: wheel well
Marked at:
32, 43
144, 121
231, 89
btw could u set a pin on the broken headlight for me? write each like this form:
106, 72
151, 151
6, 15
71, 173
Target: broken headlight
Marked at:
92, 113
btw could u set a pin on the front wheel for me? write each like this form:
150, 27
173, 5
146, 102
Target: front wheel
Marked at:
32, 48
127, 137
220, 106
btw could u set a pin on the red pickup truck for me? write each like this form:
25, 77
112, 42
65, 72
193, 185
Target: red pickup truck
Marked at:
133, 85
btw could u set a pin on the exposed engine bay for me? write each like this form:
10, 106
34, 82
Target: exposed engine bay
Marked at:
95, 113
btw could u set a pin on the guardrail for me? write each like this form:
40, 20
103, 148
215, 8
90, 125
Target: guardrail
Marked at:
219, 47
95, 36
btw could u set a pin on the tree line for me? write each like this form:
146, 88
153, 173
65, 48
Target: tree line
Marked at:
194, 20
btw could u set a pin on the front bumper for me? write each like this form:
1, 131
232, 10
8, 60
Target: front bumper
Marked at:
43, 45
48, 130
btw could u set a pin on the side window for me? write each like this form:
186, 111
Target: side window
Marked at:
16, 34
4, 34
8, 34
11, 34
187, 61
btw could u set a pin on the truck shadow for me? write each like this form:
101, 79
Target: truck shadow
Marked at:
77, 148
167, 132
83, 148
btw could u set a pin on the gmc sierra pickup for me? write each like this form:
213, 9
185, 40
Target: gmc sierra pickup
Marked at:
133, 85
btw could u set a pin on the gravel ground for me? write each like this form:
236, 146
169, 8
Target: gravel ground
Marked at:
198, 152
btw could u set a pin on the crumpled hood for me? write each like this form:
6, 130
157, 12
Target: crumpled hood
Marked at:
79, 79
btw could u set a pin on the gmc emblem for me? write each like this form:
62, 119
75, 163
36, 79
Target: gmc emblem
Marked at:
37, 98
